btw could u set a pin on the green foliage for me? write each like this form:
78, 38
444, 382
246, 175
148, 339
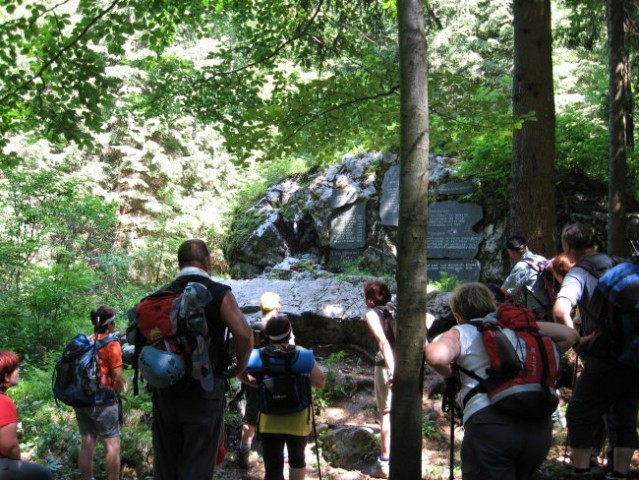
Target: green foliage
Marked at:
333, 389
446, 282
582, 144
429, 429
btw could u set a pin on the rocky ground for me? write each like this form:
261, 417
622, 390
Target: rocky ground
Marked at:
358, 409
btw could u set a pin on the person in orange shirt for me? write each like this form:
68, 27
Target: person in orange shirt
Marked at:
102, 419
12, 467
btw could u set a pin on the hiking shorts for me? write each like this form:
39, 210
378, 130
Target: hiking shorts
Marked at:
252, 408
383, 394
98, 420
604, 386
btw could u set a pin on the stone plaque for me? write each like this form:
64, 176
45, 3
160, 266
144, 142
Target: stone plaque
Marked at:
348, 228
464, 270
343, 197
450, 230
456, 188
337, 257
389, 203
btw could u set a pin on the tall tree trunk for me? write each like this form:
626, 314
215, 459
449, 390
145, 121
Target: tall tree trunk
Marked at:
532, 176
406, 408
617, 130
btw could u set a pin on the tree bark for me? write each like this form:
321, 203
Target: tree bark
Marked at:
406, 408
533, 204
617, 166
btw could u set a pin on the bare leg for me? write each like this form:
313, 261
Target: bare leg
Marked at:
296, 473
112, 457
85, 457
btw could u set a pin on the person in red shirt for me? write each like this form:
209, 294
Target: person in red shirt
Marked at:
12, 467
102, 420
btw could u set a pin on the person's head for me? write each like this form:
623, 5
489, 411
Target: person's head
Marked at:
278, 330
376, 293
471, 300
103, 318
270, 302
194, 253
516, 246
498, 293
9, 371
576, 240
560, 266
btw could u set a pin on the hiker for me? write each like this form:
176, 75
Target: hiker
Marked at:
12, 467
521, 285
605, 384
270, 305
186, 418
495, 445
290, 430
377, 295
102, 419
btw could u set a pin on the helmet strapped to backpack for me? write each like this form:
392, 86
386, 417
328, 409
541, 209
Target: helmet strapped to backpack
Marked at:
161, 368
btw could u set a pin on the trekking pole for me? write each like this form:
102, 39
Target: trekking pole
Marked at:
574, 380
319, 470
448, 406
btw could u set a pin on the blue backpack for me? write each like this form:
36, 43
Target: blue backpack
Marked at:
77, 375
283, 379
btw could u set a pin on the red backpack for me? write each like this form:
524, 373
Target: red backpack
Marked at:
524, 366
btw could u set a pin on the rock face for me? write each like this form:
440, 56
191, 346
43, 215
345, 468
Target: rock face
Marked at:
326, 309
350, 211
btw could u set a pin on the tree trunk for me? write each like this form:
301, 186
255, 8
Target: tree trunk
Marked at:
406, 408
532, 204
617, 130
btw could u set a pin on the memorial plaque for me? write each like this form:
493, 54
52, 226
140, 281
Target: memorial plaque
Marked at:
348, 228
338, 257
389, 203
456, 188
450, 230
341, 197
463, 270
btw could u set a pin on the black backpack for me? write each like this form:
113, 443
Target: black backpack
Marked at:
614, 304
282, 387
76, 379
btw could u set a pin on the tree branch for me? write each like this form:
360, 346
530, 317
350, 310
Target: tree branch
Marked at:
60, 52
278, 49
344, 105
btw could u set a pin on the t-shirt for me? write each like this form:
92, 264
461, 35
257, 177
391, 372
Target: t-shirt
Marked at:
577, 287
8, 411
110, 358
521, 283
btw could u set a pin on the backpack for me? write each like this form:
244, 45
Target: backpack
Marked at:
524, 364
388, 317
545, 283
283, 378
76, 379
615, 303
170, 333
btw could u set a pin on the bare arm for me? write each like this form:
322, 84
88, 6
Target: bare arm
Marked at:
564, 336
242, 333
317, 378
561, 310
9, 446
375, 326
443, 352
117, 380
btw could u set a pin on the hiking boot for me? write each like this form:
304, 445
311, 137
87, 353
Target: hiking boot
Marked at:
243, 459
380, 469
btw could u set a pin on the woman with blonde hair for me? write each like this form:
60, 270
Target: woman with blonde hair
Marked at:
495, 445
